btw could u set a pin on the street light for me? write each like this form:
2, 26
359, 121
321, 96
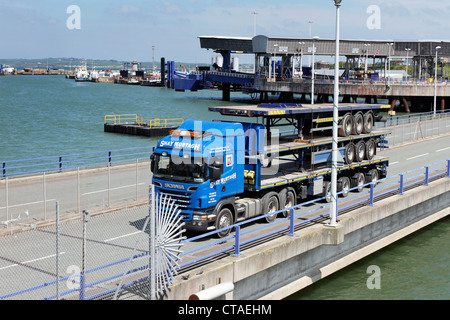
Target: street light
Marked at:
389, 63
435, 81
334, 149
407, 54
313, 71
301, 43
254, 22
274, 54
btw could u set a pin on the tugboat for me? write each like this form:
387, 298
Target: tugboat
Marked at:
82, 75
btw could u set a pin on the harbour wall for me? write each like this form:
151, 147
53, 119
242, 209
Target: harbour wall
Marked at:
281, 267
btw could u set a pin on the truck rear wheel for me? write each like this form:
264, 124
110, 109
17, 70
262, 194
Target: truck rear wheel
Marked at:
370, 149
358, 123
327, 191
270, 204
343, 184
372, 176
368, 122
358, 180
287, 200
224, 219
349, 153
360, 151
346, 125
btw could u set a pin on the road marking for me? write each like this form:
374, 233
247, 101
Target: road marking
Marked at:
391, 163
420, 155
104, 190
29, 261
443, 149
26, 204
125, 235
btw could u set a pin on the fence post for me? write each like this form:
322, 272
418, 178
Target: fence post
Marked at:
44, 195
401, 183
427, 173
60, 163
237, 240
291, 219
109, 158
86, 217
448, 168
4, 168
57, 250
372, 186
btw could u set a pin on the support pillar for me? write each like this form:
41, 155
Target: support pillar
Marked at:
406, 105
226, 91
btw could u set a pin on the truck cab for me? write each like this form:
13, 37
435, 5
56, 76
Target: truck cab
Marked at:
200, 166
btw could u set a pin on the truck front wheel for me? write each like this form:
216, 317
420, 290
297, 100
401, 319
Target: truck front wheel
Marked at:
224, 219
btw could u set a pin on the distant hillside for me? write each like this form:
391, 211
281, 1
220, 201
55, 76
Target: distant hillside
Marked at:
66, 63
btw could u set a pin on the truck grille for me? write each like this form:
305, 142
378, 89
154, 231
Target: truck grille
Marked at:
182, 200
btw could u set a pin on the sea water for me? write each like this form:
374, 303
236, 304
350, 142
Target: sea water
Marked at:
51, 115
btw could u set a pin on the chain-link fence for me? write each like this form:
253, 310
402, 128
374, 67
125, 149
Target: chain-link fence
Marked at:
90, 256
115, 197
406, 129
26, 202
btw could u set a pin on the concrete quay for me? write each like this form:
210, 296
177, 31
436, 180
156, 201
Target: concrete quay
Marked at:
417, 94
281, 267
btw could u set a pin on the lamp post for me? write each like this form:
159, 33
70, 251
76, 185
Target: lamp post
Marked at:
274, 67
254, 13
312, 70
407, 56
435, 82
389, 63
334, 149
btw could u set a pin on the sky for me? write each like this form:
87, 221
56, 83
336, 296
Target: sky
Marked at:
128, 29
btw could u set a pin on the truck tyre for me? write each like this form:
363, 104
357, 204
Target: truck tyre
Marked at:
358, 180
372, 176
368, 122
360, 151
370, 149
270, 204
358, 123
346, 125
287, 200
224, 219
349, 153
327, 191
343, 184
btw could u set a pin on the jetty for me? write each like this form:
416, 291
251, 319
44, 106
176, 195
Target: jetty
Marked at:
136, 125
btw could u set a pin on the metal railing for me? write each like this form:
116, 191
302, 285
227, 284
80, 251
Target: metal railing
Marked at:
397, 184
141, 121
62, 163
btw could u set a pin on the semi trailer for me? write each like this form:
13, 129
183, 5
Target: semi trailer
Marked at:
222, 172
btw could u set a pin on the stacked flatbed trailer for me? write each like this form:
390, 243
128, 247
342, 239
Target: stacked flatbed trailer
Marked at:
310, 146
239, 170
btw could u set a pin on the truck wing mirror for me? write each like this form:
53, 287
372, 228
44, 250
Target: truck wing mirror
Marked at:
152, 163
214, 173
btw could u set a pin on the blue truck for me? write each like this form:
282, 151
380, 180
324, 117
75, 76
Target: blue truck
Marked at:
222, 172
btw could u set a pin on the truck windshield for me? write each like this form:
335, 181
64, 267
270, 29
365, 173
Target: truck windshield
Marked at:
189, 170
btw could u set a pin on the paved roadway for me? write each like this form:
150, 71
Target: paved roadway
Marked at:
28, 258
